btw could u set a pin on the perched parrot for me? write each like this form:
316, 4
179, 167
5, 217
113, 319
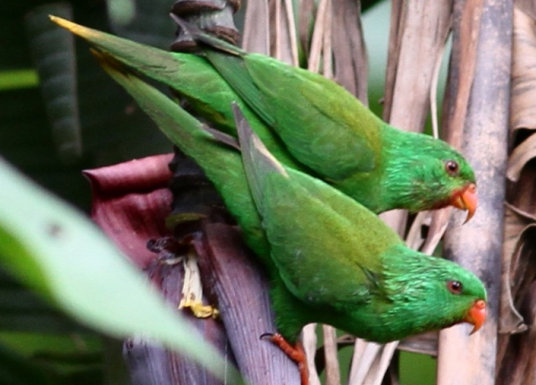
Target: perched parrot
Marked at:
341, 265
306, 121
330, 259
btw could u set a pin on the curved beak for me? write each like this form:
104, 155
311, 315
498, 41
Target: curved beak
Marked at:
476, 315
467, 199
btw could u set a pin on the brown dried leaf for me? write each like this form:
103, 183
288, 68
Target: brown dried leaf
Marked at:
478, 95
516, 358
463, 58
370, 362
515, 221
414, 239
309, 340
256, 36
349, 50
333, 373
320, 27
364, 355
396, 219
522, 195
523, 114
515, 225
392, 57
527, 6
284, 45
408, 87
423, 344
305, 19
521, 155
436, 221
438, 226
522, 268
327, 54
293, 31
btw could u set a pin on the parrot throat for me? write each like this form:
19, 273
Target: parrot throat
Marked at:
397, 181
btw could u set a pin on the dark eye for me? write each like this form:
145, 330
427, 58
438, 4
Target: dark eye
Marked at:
452, 167
455, 287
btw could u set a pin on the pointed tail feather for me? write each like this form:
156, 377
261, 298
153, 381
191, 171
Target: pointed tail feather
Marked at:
153, 62
221, 137
177, 124
258, 162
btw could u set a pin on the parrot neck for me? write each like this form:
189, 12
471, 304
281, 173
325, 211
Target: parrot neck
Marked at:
402, 171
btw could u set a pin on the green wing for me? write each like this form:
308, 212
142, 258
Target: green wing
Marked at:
193, 77
311, 228
321, 124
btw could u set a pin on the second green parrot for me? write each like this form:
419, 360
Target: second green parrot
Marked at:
338, 264
307, 121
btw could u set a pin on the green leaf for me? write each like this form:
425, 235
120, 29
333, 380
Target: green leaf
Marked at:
16, 370
64, 257
24, 78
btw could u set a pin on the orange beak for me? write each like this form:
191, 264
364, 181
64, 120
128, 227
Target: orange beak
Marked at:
476, 315
466, 200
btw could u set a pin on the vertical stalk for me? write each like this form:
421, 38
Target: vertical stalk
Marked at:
486, 25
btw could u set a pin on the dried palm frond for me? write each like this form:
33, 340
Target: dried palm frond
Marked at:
515, 356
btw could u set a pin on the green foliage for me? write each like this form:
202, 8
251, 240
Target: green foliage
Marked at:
417, 369
67, 260
112, 129
17, 79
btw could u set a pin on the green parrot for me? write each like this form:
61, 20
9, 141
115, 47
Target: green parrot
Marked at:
330, 259
339, 264
306, 121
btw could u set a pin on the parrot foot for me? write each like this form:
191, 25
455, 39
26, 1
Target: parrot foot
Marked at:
295, 353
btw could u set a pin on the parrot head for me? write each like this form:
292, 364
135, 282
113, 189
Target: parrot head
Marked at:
432, 294
464, 298
430, 177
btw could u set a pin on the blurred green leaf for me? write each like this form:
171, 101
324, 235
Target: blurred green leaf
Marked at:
122, 11
16, 370
65, 258
25, 78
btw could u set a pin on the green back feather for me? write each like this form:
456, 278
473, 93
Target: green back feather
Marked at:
345, 266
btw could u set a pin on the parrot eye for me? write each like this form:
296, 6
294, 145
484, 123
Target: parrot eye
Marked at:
452, 167
455, 287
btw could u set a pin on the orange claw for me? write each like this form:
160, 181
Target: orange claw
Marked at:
295, 353
466, 199
476, 315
